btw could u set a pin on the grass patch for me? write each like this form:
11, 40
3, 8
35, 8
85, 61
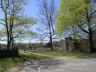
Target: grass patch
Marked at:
62, 53
92, 55
7, 63
33, 57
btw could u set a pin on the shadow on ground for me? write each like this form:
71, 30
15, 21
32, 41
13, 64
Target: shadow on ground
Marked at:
44, 64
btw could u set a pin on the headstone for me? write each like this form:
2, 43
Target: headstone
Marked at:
45, 48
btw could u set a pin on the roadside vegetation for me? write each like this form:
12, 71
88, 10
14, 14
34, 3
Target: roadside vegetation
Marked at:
7, 63
62, 53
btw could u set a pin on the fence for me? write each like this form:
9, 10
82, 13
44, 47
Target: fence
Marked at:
8, 53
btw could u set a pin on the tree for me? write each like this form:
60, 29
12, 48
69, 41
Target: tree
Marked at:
47, 17
78, 13
16, 25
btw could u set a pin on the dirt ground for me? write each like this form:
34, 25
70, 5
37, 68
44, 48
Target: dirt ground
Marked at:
61, 64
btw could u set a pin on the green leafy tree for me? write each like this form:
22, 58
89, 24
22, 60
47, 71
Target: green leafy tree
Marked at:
78, 14
16, 25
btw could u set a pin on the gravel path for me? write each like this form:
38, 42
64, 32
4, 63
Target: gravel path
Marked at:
61, 64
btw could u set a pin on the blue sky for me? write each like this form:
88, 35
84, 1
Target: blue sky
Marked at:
31, 10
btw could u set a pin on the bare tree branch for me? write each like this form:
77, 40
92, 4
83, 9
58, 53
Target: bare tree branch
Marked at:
2, 23
47, 18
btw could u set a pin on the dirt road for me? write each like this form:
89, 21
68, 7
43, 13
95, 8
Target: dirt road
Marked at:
61, 64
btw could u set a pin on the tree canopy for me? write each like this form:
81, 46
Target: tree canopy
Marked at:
16, 24
79, 14
75, 12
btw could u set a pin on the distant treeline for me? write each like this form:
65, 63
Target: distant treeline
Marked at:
33, 45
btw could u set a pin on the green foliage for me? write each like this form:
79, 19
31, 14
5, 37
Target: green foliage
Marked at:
72, 13
18, 25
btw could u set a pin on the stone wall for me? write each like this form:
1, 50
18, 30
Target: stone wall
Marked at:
81, 46
69, 44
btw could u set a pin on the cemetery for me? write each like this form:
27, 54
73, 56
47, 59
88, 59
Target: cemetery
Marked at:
47, 36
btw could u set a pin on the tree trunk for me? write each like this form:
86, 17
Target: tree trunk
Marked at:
12, 49
8, 41
51, 46
90, 41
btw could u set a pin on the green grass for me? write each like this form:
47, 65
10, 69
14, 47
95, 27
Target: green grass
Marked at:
62, 53
33, 57
7, 63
